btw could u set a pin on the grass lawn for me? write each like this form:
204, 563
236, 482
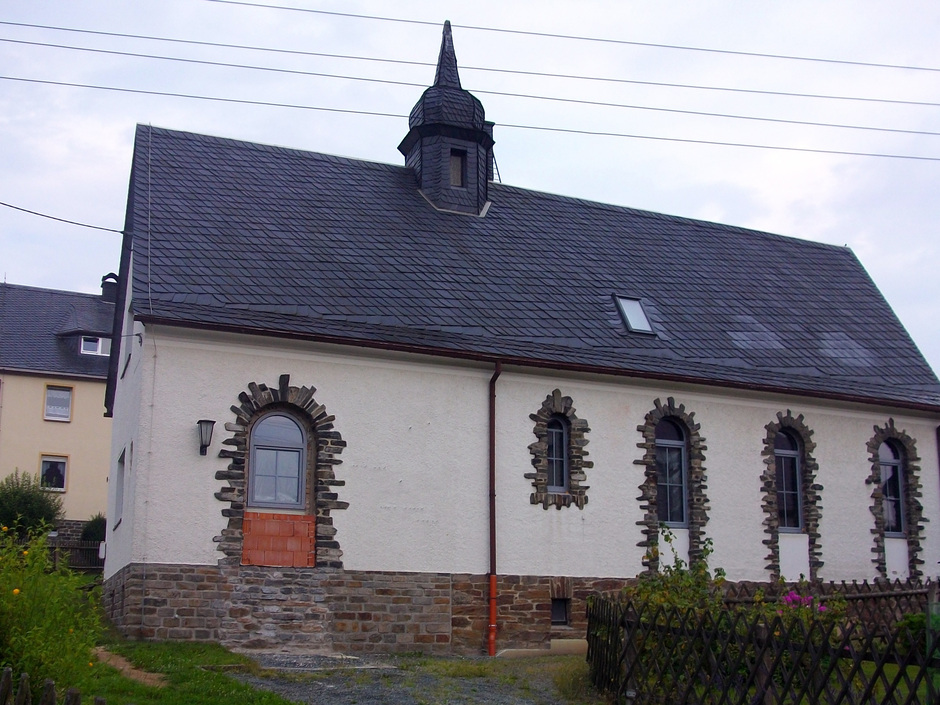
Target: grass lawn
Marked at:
188, 681
198, 674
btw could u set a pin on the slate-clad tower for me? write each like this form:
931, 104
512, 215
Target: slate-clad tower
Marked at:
450, 144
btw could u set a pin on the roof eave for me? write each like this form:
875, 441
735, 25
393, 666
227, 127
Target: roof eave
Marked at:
491, 358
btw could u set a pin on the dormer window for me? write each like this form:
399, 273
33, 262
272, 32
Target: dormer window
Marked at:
95, 346
458, 168
631, 310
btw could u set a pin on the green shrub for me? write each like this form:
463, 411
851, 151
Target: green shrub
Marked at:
94, 529
25, 505
680, 585
48, 623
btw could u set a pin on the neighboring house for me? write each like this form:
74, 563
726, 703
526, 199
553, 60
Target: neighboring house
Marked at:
437, 396
54, 348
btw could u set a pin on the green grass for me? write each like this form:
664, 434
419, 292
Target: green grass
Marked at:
189, 681
198, 674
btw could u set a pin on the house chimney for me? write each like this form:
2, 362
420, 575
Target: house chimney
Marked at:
109, 284
450, 144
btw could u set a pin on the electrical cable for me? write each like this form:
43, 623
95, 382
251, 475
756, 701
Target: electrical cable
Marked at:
251, 67
541, 74
502, 125
61, 220
550, 35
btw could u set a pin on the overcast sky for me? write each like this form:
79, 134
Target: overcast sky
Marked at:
65, 151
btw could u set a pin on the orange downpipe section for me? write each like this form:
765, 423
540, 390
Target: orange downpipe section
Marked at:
491, 629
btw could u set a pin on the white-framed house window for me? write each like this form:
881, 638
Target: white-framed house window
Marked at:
53, 471
95, 346
58, 404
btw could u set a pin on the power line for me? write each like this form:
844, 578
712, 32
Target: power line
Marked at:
520, 127
61, 220
577, 101
550, 35
542, 74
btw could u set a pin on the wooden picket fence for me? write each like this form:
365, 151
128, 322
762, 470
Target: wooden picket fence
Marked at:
23, 695
644, 653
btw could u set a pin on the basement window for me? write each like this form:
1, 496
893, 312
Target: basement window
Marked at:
631, 310
560, 611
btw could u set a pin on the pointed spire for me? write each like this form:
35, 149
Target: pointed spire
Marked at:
446, 74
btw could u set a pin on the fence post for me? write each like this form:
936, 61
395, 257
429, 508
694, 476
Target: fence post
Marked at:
23, 696
764, 679
48, 693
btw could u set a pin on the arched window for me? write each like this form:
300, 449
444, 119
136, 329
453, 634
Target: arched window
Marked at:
788, 462
276, 476
892, 487
557, 453
671, 474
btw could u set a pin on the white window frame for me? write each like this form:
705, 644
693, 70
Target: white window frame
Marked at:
58, 417
43, 460
102, 346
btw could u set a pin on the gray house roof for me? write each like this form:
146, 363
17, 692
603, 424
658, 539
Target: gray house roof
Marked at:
268, 240
41, 330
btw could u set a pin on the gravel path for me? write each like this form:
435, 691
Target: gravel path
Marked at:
331, 680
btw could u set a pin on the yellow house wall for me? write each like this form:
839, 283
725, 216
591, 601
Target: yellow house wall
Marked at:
85, 440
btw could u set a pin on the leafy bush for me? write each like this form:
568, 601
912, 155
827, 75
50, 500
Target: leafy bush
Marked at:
94, 529
912, 630
680, 585
48, 623
25, 505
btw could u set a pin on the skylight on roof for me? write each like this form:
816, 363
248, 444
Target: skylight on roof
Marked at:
633, 314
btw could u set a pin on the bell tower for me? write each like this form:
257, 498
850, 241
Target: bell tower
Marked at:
450, 144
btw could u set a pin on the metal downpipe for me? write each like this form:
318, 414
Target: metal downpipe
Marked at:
491, 629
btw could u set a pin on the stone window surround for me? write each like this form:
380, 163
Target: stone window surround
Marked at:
696, 481
913, 509
258, 400
557, 405
810, 499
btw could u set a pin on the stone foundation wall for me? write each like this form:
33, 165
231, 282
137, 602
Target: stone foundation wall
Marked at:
69, 529
253, 607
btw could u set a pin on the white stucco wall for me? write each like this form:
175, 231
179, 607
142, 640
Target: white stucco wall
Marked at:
416, 461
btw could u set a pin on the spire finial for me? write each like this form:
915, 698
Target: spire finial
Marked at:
447, 61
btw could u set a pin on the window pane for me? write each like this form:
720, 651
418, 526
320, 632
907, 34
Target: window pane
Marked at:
278, 431
633, 313
788, 491
891, 489
670, 484
52, 473
667, 430
265, 462
557, 455
887, 453
264, 489
90, 346
58, 403
784, 441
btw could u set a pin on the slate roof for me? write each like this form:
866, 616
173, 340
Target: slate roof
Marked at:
41, 329
286, 242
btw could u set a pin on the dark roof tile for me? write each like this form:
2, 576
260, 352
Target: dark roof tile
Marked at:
41, 330
299, 243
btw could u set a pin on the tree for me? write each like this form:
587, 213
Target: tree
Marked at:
25, 505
